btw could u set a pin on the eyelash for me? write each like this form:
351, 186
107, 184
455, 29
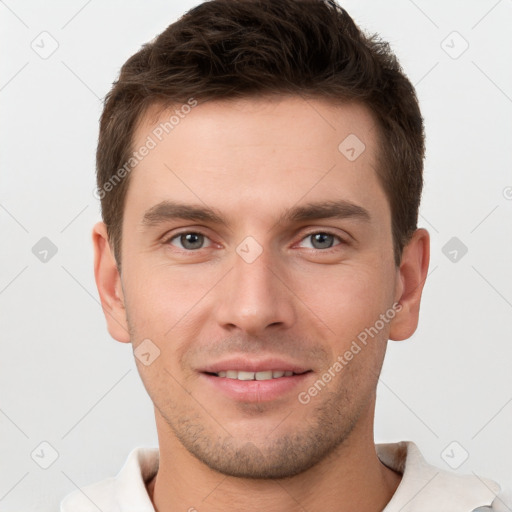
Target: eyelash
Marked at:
168, 240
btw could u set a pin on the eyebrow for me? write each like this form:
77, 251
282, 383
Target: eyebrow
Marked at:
172, 210
340, 209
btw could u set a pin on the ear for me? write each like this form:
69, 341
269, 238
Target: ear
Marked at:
108, 282
411, 277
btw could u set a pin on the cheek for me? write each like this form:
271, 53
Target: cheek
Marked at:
346, 299
168, 305
164, 293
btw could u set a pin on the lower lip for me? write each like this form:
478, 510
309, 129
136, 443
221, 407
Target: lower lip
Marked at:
256, 390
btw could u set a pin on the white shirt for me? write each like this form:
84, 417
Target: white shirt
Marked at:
423, 488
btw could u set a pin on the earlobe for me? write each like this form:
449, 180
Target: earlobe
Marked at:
411, 279
108, 282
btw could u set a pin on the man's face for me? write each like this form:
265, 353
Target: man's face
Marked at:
258, 289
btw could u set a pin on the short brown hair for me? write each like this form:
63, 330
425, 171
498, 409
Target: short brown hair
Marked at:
225, 49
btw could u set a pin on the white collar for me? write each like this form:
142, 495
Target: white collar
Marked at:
426, 488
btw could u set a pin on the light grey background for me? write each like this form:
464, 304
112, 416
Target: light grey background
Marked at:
64, 381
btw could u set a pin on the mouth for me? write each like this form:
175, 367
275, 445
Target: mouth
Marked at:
250, 381
260, 375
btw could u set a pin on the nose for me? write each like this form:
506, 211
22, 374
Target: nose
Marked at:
256, 296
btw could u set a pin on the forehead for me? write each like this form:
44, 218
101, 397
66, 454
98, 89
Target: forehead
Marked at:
262, 119
269, 150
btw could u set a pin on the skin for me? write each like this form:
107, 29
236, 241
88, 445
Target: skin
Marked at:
251, 160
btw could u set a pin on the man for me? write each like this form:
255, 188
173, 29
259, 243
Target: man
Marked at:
259, 167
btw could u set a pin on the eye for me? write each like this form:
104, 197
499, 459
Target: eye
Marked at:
322, 240
189, 240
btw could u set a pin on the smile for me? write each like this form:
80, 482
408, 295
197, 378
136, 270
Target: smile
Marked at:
262, 375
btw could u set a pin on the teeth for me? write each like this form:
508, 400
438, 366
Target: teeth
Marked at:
264, 375
245, 375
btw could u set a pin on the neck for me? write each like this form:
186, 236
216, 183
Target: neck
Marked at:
351, 478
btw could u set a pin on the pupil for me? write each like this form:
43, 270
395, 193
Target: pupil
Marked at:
323, 239
191, 240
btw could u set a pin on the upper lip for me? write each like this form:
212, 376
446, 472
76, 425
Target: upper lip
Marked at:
252, 365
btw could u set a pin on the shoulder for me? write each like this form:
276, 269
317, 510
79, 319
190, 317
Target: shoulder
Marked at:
91, 498
502, 502
425, 487
119, 493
